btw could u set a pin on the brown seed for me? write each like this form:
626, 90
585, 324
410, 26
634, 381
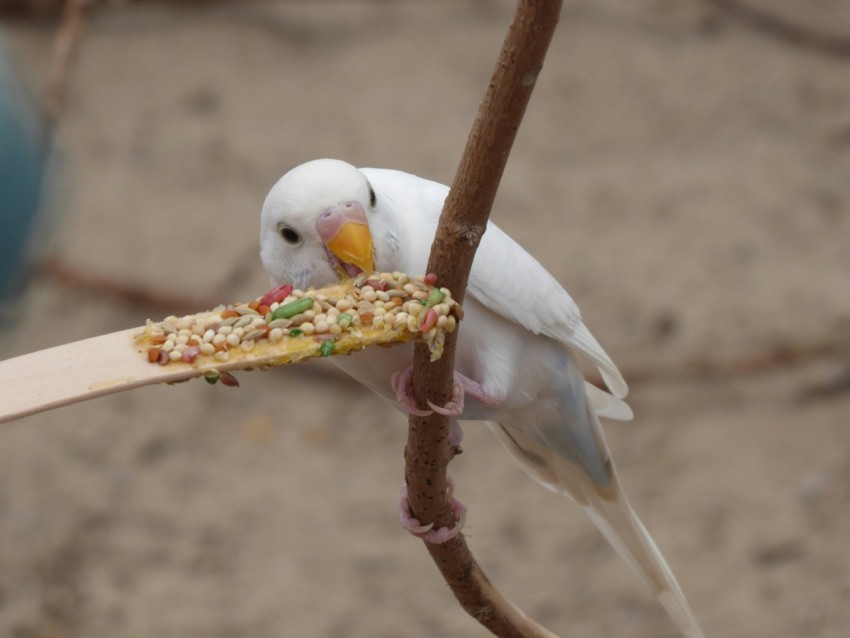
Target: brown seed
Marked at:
153, 355
366, 318
264, 310
228, 379
229, 313
254, 305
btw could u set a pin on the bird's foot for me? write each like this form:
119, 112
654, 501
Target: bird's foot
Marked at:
463, 385
427, 532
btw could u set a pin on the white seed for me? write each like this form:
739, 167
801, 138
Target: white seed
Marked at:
331, 319
242, 322
451, 323
225, 330
321, 327
412, 324
219, 339
383, 296
442, 309
182, 339
207, 349
310, 314
317, 308
275, 334
224, 355
335, 329
168, 346
208, 336
232, 340
247, 345
175, 355
183, 323
441, 321
415, 308
344, 304
238, 332
369, 294
420, 295
307, 328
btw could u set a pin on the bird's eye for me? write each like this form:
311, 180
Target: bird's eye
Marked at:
289, 235
372, 199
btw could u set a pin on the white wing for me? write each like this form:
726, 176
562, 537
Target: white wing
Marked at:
505, 278
508, 280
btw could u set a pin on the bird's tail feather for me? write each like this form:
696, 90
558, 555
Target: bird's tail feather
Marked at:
609, 510
623, 529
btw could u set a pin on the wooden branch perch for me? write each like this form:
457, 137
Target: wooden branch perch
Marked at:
462, 224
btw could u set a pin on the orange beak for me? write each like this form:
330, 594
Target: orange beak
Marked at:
352, 244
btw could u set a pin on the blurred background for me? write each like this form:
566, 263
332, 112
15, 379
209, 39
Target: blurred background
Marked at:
683, 169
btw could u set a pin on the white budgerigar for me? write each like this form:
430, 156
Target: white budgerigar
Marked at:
518, 348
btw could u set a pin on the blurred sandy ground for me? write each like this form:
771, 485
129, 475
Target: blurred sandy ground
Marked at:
685, 177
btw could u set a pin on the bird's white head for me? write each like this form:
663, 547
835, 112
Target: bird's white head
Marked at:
315, 224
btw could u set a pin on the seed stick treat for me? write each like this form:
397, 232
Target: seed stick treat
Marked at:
283, 326
288, 326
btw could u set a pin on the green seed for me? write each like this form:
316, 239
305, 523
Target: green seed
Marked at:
435, 297
211, 376
291, 309
327, 347
344, 320
295, 332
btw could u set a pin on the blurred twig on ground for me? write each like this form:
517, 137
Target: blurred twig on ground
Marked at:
784, 30
65, 50
462, 224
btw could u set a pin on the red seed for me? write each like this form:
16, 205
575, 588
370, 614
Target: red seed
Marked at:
377, 284
191, 353
153, 355
429, 321
263, 309
163, 358
431, 279
276, 295
228, 379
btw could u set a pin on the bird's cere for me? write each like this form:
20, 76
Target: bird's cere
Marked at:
287, 325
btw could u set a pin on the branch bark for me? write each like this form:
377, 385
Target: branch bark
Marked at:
462, 224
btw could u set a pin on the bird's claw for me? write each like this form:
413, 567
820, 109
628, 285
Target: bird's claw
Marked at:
404, 392
401, 384
427, 532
